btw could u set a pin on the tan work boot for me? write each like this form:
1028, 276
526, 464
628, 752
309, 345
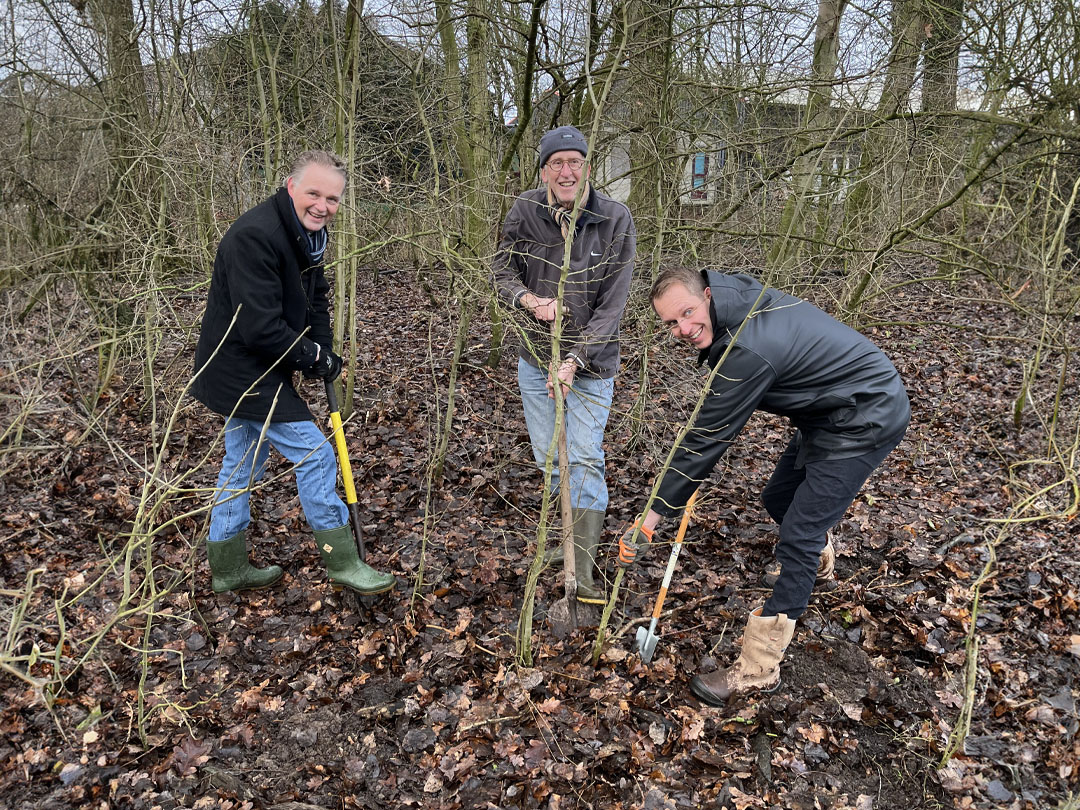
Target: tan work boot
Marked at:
588, 526
825, 570
758, 666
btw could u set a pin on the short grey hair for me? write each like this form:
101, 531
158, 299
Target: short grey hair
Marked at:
692, 279
317, 157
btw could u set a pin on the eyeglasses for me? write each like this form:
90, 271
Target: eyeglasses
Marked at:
575, 164
673, 326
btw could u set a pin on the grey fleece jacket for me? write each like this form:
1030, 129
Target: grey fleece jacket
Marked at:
530, 259
792, 359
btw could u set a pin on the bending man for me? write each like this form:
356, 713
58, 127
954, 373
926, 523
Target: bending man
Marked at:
849, 409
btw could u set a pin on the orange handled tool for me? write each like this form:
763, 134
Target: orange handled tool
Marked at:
646, 639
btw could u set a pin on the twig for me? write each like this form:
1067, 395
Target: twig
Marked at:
489, 722
666, 614
960, 538
719, 641
382, 711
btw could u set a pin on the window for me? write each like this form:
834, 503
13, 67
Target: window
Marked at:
699, 175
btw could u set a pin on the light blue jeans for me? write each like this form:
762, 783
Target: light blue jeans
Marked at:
303, 444
587, 407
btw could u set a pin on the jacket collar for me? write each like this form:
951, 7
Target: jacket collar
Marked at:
717, 343
733, 296
590, 210
298, 236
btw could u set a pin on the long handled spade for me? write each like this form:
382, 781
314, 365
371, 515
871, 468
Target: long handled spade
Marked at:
346, 468
563, 613
646, 639
567, 606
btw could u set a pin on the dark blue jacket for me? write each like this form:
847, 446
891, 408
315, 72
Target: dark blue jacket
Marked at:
264, 277
792, 359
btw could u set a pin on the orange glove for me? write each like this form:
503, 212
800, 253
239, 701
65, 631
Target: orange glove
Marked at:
628, 548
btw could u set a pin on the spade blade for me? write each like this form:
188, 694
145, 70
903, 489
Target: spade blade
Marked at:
646, 642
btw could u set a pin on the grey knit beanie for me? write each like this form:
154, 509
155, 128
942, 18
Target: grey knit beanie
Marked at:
560, 138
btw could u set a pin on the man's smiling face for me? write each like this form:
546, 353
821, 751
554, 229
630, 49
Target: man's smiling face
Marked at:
561, 178
686, 314
316, 195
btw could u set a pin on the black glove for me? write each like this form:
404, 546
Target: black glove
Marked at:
327, 366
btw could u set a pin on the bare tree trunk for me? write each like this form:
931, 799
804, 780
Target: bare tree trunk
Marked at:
524, 85
884, 150
469, 114
274, 137
124, 87
941, 55
260, 90
813, 143
654, 148
347, 82
940, 144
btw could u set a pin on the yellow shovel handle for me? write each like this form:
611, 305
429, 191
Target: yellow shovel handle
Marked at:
343, 457
339, 445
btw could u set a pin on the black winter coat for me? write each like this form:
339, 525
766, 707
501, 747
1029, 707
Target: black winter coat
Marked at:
264, 277
791, 359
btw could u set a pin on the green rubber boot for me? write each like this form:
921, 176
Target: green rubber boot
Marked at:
553, 556
588, 525
338, 549
231, 569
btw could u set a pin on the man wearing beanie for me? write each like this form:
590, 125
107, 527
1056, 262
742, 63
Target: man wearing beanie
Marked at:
527, 269
267, 317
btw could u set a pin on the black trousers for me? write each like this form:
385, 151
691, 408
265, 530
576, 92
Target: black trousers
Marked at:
806, 503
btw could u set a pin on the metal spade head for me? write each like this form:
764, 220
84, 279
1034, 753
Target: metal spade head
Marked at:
646, 643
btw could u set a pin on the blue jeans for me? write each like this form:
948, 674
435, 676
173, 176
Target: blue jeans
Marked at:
303, 444
588, 404
808, 501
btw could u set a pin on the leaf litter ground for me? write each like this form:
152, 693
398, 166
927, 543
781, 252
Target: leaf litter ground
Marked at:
298, 696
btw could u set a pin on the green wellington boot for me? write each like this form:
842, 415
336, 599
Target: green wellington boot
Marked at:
338, 549
231, 569
553, 556
588, 525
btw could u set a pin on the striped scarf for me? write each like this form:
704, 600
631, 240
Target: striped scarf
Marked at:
564, 217
317, 244
316, 240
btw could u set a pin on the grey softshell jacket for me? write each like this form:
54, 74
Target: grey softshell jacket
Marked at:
530, 258
792, 359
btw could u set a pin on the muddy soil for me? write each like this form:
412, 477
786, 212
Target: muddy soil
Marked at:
301, 697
